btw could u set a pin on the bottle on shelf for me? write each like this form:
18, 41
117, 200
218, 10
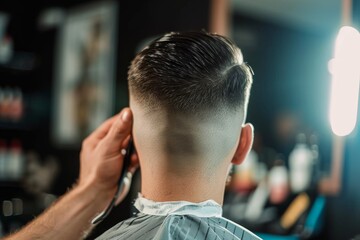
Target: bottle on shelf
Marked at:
11, 104
301, 165
278, 181
5, 103
17, 106
3, 156
245, 178
6, 49
316, 171
15, 161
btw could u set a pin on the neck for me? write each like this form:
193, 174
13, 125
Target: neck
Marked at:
163, 185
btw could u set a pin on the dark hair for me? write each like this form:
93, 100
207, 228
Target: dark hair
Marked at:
191, 72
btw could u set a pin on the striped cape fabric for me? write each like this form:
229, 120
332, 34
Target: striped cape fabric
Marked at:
177, 220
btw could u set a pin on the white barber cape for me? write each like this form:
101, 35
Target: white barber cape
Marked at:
177, 220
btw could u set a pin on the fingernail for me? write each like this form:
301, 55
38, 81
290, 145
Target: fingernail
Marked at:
125, 116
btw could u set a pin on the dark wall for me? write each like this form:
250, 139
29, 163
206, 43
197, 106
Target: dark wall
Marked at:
291, 77
139, 20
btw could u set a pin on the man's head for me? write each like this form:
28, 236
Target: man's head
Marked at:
189, 94
191, 73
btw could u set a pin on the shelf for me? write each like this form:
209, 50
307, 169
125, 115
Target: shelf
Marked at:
20, 62
11, 184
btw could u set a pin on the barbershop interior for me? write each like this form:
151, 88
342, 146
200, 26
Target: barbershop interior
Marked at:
63, 71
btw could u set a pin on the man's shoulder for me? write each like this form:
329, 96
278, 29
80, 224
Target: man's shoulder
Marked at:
214, 228
239, 230
177, 227
134, 227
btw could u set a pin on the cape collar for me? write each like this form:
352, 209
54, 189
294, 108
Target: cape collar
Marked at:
208, 208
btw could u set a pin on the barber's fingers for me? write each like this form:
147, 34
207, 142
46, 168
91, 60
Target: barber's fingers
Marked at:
126, 142
119, 131
93, 139
104, 128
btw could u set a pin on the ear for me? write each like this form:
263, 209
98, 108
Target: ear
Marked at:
245, 144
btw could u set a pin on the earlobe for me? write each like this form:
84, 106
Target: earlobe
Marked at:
245, 144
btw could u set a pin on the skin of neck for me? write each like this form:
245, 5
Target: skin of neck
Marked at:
184, 158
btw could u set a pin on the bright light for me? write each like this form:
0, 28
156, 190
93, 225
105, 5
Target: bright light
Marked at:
345, 70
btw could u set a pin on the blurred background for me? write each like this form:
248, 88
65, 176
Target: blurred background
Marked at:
63, 70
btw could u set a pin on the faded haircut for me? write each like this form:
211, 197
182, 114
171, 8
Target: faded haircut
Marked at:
191, 72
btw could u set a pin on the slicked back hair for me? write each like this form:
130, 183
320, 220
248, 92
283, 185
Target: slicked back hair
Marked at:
191, 72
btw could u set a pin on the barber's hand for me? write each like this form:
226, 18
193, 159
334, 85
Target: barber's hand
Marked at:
101, 160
